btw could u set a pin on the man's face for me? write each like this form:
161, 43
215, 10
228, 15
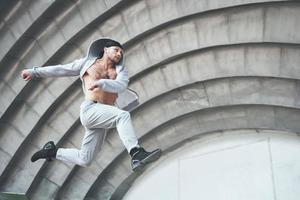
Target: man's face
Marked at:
114, 53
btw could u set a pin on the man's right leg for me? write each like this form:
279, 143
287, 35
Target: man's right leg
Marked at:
91, 144
106, 116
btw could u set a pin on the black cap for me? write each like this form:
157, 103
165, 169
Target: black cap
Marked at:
96, 49
110, 43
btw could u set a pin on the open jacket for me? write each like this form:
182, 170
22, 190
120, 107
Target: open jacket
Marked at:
127, 99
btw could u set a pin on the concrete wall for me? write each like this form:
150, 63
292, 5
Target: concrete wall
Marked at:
199, 66
240, 164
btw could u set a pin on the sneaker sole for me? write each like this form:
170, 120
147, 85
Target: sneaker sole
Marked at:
151, 158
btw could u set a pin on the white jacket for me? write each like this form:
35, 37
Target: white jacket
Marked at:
127, 99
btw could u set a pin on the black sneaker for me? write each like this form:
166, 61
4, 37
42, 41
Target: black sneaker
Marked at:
47, 152
141, 157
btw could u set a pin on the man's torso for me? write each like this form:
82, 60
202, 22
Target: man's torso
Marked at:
95, 73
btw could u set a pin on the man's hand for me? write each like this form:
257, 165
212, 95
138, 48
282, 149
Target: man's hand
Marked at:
92, 86
26, 75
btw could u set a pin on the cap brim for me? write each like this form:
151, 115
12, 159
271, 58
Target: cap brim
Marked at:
97, 47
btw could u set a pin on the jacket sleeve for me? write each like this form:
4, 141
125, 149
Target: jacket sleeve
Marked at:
70, 69
118, 85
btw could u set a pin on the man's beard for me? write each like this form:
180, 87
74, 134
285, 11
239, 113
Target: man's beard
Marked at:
115, 60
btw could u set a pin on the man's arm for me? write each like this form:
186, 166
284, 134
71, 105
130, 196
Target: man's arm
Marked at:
71, 69
114, 86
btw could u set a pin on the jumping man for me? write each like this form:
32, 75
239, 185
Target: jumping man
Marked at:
104, 82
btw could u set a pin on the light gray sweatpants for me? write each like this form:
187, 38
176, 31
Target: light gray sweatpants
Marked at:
97, 118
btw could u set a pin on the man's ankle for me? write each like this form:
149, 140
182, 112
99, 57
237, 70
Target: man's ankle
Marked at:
134, 150
53, 152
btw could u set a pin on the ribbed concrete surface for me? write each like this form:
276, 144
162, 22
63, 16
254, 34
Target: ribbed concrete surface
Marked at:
198, 65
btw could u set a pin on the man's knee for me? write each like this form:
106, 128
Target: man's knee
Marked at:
85, 160
85, 163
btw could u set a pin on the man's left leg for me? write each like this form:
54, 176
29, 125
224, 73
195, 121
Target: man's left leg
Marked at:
106, 116
91, 143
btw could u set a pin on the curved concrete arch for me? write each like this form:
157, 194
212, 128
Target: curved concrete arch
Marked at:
180, 56
45, 112
89, 15
57, 88
19, 20
34, 51
179, 11
223, 59
253, 80
197, 123
214, 93
283, 70
28, 21
69, 13
49, 127
206, 141
6, 8
38, 51
46, 178
179, 22
176, 38
108, 153
165, 101
284, 65
218, 62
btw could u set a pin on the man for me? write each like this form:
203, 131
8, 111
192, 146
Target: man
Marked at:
104, 82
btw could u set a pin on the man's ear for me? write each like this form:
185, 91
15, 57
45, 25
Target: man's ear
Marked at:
105, 49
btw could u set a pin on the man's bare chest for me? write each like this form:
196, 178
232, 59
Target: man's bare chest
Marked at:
97, 72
